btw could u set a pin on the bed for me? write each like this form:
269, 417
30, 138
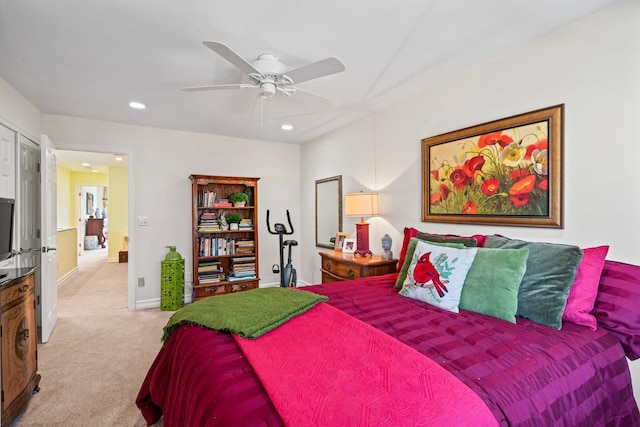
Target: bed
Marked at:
525, 373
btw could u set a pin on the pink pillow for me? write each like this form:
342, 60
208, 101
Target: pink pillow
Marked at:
583, 292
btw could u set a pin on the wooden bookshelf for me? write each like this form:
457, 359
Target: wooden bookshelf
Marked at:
224, 260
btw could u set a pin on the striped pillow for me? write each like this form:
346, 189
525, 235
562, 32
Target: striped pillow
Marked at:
617, 306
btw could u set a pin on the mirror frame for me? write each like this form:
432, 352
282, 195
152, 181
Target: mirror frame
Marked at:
324, 181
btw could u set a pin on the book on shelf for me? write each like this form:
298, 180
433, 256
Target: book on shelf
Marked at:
235, 279
244, 246
246, 224
215, 246
222, 203
206, 199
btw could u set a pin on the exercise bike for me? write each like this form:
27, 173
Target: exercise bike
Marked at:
288, 276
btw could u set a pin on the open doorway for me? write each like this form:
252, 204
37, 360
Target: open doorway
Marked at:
93, 199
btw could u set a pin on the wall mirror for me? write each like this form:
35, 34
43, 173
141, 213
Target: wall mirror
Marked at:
328, 210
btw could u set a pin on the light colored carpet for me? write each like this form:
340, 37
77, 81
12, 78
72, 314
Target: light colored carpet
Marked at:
98, 354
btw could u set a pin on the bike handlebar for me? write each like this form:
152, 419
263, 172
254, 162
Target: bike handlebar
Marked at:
278, 227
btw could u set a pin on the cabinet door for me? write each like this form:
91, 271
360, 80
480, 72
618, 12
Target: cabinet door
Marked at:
18, 349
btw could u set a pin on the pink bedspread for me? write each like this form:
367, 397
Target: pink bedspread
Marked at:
364, 377
527, 374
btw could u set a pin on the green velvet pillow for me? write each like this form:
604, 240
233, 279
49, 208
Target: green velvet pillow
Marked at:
492, 284
469, 242
551, 270
411, 248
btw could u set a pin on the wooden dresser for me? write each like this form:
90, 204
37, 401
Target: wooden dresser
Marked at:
19, 341
95, 227
337, 266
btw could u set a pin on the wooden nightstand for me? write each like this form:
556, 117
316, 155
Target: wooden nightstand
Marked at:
337, 266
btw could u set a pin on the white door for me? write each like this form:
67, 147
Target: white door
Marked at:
49, 255
29, 211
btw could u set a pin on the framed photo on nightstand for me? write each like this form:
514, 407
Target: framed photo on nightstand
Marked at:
349, 246
340, 241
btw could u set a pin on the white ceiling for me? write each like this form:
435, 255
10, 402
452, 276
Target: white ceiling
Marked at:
90, 58
82, 161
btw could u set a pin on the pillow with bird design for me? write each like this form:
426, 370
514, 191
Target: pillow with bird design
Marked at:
409, 256
436, 275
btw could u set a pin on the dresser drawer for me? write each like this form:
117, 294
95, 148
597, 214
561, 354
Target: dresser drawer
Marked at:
337, 266
15, 292
348, 271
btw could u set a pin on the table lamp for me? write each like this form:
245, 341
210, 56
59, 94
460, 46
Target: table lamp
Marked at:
361, 204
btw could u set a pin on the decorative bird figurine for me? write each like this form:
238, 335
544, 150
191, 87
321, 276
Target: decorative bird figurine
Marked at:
425, 272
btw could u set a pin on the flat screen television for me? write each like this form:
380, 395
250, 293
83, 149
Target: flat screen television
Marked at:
6, 227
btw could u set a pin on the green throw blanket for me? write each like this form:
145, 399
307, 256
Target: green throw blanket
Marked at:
248, 314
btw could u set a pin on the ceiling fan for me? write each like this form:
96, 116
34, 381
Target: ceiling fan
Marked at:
269, 75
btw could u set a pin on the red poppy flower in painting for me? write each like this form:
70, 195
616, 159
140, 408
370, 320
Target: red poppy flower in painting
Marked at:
542, 144
518, 174
470, 208
544, 184
473, 165
524, 186
493, 139
434, 199
490, 186
519, 200
444, 191
435, 174
459, 178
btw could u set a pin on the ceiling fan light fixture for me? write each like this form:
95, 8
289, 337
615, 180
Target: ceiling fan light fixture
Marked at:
267, 90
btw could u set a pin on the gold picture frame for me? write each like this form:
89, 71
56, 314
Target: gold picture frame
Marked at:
340, 236
505, 172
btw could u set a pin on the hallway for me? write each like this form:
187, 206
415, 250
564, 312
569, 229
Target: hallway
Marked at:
99, 351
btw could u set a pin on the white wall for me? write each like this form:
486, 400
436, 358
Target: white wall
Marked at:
592, 66
19, 114
161, 163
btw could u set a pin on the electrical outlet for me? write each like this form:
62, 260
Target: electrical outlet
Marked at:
187, 276
141, 282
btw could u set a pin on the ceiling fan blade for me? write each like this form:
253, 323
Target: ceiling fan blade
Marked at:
226, 52
310, 97
217, 87
315, 70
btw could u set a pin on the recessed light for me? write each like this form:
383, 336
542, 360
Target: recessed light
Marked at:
286, 126
118, 158
94, 170
85, 164
137, 105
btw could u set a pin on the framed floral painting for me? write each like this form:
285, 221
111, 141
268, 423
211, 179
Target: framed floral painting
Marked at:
506, 172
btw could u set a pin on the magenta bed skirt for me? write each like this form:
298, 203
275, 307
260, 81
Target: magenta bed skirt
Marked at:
527, 374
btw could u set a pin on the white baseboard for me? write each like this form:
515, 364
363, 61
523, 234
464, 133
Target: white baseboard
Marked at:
69, 274
149, 303
155, 302
301, 283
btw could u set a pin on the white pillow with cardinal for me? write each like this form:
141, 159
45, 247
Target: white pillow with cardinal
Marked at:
436, 275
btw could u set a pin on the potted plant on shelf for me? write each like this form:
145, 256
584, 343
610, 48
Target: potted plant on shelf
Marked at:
233, 220
239, 199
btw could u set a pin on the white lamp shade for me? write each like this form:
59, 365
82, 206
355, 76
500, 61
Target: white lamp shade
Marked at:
361, 204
